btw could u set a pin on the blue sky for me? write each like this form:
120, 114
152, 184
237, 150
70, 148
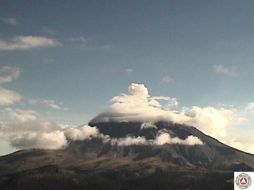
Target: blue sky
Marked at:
82, 53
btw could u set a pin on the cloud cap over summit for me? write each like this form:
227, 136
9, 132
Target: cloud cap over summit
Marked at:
139, 106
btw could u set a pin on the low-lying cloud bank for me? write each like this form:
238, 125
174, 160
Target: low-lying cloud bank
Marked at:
161, 139
25, 135
32, 134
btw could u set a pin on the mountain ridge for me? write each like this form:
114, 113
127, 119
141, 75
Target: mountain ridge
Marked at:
90, 164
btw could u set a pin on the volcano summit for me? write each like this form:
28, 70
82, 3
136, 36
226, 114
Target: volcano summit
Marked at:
135, 143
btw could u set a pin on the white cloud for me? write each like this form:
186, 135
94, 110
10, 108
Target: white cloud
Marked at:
223, 70
138, 105
9, 20
52, 104
8, 97
45, 135
250, 107
29, 126
27, 42
148, 125
51, 140
21, 115
8, 74
162, 138
138, 90
87, 133
129, 141
244, 144
191, 140
82, 133
211, 120
25, 135
165, 138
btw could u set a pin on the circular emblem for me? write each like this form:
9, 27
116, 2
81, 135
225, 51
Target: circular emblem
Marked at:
243, 181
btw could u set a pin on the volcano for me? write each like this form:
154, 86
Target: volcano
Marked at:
99, 164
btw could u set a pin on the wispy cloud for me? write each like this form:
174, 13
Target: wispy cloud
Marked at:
21, 115
129, 71
27, 42
250, 107
53, 104
9, 20
48, 31
167, 80
80, 39
8, 97
224, 70
9, 74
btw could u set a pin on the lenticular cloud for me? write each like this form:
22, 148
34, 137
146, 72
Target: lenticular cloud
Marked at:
139, 106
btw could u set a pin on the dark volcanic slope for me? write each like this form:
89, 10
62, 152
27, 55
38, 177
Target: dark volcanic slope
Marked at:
97, 165
211, 155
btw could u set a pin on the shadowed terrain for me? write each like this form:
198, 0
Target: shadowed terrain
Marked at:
95, 164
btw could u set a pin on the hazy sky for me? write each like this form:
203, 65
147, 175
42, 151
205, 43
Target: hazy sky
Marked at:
62, 61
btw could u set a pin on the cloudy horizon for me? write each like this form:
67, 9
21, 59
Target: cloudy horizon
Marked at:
24, 130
